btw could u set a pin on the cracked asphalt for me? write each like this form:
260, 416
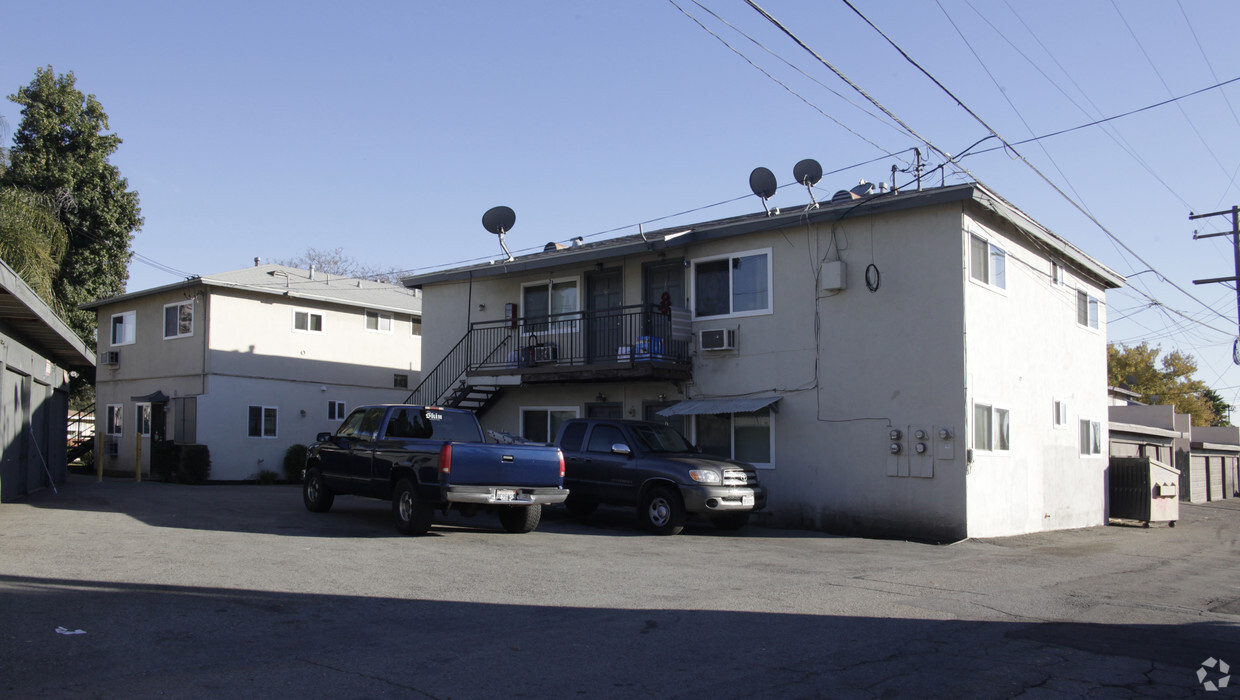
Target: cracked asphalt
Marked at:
133, 590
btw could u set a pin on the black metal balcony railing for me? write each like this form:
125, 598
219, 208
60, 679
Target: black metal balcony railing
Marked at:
624, 337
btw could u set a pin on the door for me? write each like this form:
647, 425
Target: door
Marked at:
612, 473
608, 411
663, 289
604, 322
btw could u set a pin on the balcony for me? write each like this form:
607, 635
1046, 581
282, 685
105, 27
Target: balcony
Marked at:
625, 343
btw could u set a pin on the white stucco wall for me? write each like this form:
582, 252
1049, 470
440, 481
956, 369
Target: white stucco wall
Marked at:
1025, 351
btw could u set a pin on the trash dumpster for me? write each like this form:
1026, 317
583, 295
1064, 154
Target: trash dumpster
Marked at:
1144, 489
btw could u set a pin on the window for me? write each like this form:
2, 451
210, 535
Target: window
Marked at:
992, 428
335, 410
124, 328
1061, 414
179, 319
308, 321
113, 425
549, 299
1086, 309
1091, 437
987, 262
603, 437
738, 285
415, 326
262, 421
143, 415
543, 424
1057, 274
378, 322
400, 381
741, 436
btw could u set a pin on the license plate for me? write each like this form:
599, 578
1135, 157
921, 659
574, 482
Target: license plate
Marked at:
505, 494
747, 501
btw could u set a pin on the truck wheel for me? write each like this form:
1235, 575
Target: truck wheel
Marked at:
412, 514
315, 493
661, 511
732, 521
520, 518
580, 506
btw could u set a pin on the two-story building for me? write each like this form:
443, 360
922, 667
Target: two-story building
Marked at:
926, 364
248, 363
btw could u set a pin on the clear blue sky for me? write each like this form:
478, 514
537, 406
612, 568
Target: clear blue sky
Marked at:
388, 128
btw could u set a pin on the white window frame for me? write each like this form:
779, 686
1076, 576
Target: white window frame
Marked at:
996, 413
262, 424
992, 251
551, 326
142, 419
1093, 310
335, 410
1059, 414
310, 313
732, 437
177, 330
1058, 274
575, 410
732, 313
381, 319
114, 419
1090, 430
129, 328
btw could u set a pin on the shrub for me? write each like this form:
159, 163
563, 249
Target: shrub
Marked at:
266, 477
195, 464
294, 462
165, 455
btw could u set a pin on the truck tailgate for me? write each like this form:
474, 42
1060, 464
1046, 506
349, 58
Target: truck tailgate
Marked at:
510, 465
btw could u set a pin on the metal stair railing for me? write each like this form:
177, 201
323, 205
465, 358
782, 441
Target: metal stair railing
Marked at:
441, 380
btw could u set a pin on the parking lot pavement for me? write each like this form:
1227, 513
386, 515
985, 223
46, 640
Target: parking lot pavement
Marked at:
123, 589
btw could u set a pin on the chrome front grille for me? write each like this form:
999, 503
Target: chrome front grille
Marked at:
734, 476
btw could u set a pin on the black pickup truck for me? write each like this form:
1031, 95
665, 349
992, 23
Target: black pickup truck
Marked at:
653, 467
426, 458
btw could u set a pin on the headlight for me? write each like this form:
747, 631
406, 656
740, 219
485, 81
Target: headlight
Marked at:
705, 476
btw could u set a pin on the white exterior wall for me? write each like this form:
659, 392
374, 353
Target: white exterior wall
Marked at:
1025, 350
244, 352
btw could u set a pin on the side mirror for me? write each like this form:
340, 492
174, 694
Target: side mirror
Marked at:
621, 449
322, 437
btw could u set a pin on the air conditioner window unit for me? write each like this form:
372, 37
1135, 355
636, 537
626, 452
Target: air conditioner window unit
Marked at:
111, 357
717, 339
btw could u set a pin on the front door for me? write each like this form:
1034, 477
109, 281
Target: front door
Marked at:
604, 322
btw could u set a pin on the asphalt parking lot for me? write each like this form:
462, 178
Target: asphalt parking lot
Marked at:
123, 589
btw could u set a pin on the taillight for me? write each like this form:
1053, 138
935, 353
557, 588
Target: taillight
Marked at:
445, 460
561, 453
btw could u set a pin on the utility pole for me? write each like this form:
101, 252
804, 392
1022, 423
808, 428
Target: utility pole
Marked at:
1235, 242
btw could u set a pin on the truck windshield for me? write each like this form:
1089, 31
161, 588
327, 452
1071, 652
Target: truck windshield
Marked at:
431, 424
660, 438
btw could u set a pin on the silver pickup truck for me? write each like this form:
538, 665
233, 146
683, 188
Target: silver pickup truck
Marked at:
424, 458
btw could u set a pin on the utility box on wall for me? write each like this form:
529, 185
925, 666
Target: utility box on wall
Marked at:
833, 276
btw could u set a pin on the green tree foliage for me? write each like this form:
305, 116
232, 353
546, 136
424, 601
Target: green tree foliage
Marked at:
61, 151
1220, 407
1168, 382
32, 240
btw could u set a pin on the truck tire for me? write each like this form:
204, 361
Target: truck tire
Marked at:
731, 521
661, 511
520, 518
317, 496
412, 514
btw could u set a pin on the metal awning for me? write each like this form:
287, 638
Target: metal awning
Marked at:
697, 407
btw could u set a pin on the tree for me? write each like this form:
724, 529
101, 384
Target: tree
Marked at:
1219, 405
32, 240
335, 262
61, 152
1136, 369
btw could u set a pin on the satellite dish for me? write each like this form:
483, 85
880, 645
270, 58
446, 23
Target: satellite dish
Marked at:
500, 220
865, 189
808, 172
763, 184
